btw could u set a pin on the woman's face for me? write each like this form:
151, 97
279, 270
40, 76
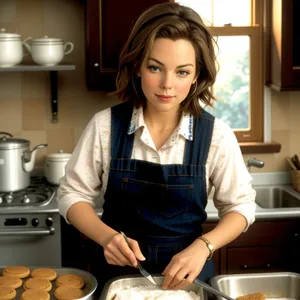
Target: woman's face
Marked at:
168, 73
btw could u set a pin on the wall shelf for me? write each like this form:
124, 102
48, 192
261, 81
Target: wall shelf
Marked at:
53, 80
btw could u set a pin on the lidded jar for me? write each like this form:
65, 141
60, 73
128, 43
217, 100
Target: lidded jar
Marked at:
55, 164
11, 49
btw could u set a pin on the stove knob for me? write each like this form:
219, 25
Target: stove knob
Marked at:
8, 198
25, 199
35, 222
49, 222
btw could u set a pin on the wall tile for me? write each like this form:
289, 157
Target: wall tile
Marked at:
33, 114
8, 13
60, 139
10, 102
280, 110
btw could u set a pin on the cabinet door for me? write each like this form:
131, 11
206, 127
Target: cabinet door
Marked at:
256, 260
282, 45
108, 24
266, 247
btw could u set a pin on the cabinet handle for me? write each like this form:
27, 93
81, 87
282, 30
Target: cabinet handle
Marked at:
96, 65
267, 266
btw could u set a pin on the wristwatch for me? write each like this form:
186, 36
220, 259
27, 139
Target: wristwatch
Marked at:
209, 246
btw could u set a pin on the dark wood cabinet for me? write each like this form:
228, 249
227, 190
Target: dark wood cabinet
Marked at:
270, 246
108, 24
282, 54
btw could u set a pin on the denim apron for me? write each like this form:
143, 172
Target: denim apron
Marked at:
161, 206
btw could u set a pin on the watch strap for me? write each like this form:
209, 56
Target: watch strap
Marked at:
209, 246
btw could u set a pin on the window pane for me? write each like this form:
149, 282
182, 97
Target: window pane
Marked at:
236, 12
202, 7
232, 87
221, 12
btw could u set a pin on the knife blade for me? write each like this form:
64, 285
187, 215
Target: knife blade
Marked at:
141, 268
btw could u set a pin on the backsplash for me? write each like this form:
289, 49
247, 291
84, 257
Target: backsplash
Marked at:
25, 97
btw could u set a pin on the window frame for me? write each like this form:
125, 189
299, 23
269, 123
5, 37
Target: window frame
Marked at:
256, 102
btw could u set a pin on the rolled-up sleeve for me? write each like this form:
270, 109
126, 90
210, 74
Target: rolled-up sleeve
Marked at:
82, 180
230, 177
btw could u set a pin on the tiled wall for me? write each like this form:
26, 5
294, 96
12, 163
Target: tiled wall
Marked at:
25, 109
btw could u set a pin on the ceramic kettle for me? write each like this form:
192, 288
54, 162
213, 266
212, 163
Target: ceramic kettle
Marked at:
55, 164
11, 49
48, 51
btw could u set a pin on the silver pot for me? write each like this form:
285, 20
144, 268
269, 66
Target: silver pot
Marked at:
16, 162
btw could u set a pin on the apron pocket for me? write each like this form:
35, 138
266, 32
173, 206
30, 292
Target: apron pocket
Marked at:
168, 200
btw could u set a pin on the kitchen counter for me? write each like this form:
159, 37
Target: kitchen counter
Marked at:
260, 213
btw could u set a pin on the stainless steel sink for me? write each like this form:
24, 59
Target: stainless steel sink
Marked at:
273, 285
276, 197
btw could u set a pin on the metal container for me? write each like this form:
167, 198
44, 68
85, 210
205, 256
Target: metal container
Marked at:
16, 162
118, 283
273, 285
88, 289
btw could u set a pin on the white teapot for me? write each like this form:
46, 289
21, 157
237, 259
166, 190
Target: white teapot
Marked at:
48, 51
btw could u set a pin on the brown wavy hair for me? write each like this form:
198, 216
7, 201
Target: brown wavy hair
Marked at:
173, 21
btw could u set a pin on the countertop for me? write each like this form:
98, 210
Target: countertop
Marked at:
212, 213
260, 213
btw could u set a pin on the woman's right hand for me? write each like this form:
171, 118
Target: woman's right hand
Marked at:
117, 252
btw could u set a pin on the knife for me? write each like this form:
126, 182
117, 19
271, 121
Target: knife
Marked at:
141, 268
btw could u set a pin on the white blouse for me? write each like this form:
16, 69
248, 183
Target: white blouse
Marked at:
88, 169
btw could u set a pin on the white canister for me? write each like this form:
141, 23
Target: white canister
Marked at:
11, 49
55, 164
47, 51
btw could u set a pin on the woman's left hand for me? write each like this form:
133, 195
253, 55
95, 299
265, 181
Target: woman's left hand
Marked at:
185, 266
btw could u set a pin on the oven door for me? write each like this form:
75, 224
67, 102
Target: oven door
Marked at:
30, 240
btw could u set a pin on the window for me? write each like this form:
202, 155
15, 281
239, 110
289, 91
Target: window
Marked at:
238, 27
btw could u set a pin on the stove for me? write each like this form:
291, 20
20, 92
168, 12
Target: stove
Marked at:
30, 226
39, 193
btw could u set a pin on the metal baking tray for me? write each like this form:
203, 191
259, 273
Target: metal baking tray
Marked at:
88, 289
273, 285
118, 283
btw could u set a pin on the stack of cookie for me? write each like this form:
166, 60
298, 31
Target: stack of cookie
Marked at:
69, 287
38, 286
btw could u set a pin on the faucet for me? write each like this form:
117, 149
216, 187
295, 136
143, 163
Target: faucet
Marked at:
253, 162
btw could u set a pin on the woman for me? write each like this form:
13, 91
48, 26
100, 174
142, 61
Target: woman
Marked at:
156, 156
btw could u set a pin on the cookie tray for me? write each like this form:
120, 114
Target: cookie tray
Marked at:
88, 289
118, 283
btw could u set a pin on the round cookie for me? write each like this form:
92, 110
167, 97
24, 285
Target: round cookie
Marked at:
70, 280
7, 292
68, 293
47, 273
11, 281
35, 294
16, 271
38, 283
